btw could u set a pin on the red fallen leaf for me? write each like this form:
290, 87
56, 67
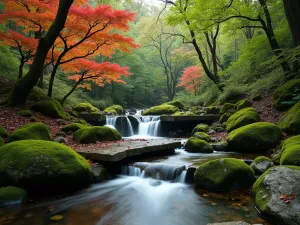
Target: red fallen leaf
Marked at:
292, 197
282, 197
287, 201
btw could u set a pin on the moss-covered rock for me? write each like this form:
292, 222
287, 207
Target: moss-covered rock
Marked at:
1, 142
25, 113
12, 195
255, 137
202, 136
290, 121
73, 127
160, 110
115, 109
197, 145
51, 108
33, 119
85, 108
241, 118
285, 94
261, 164
95, 134
224, 174
36, 131
83, 122
61, 134
227, 107
74, 114
42, 165
290, 151
176, 103
201, 128
3, 132
225, 117
221, 146
245, 103
212, 110
184, 114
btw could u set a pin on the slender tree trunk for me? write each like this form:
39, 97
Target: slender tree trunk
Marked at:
41, 81
23, 86
21, 66
292, 12
70, 92
51, 81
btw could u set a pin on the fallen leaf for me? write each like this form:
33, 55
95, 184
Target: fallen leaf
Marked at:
56, 218
292, 196
282, 197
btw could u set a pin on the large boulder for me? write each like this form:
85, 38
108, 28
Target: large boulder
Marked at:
96, 134
43, 166
245, 103
290, 151
36, 131
115, 109
12, 195
224, 174
73, 127
176, 103
201, 128
160, 110
275, 193
261, 164
202, 136
241, 118
227, 108
224, 118
3, 133
197, 145
285, 94
85, 107
255, 137
290, 121
51, 108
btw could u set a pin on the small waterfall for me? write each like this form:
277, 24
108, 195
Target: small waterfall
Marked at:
130, 129
111, 121
149, 126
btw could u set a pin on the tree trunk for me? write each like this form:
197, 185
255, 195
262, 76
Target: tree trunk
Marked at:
292, 11
21, 66
70, 92
51, 81
23, 86
41, 82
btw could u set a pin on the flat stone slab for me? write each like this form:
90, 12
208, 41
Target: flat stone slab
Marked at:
189, 118
128, 148
232, 223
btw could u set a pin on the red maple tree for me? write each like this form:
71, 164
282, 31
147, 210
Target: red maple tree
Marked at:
191, 79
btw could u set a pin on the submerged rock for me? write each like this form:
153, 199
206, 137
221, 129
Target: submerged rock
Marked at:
261, 164
12, 195
99, 173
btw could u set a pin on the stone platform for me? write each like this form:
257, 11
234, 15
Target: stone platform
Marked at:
127, 149
204, 118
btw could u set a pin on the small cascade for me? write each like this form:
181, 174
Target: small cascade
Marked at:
149, 126
111, 121
156, 171
130, 128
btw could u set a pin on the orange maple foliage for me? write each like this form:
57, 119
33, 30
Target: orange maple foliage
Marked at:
191, 79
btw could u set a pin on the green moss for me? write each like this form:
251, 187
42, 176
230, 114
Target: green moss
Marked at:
25, 113
51, 108
176, 103
261, 164
261, 159
212, 110
74, 114
201, 128
85, 108
81, 122
1, 142
3, 132
33, 119
225, 117
73, 127
95, 134
36, 131
12, 195
227, 107
224, 174
184, 114
290, 121
61, 134
241, 118
195, 144
43, 166
37, 94
245, 103
202, 136
160, 110
114, 109
285, 94
290, 151
255, 137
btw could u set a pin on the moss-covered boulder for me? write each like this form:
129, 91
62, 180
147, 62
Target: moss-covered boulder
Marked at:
212, 110
1, 141
225, 117
276, 194
3, 132
285, 94
202, 136
255, 137
290, 151
51, 108
197, 145
96, 134
227, 107
241, 118
184, 114
36, 131
290, 121
12, 195
245, 103
176, 103
74, 114
43, 166
201, 128
221, 146
25, 113
83, 122
261, 164
224, 174
160, 110
115, 109
73, 127
85, 108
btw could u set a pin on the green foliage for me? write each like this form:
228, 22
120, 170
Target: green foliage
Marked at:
25, 113
115, 109
290, 121
201, 128
197, 145
160, 110
12, 195
8, 64
51, 108
241, 118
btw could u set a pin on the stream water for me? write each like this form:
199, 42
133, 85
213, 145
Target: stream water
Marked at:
150, 192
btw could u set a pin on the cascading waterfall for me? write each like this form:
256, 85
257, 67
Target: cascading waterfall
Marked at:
149, 126
111, 121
